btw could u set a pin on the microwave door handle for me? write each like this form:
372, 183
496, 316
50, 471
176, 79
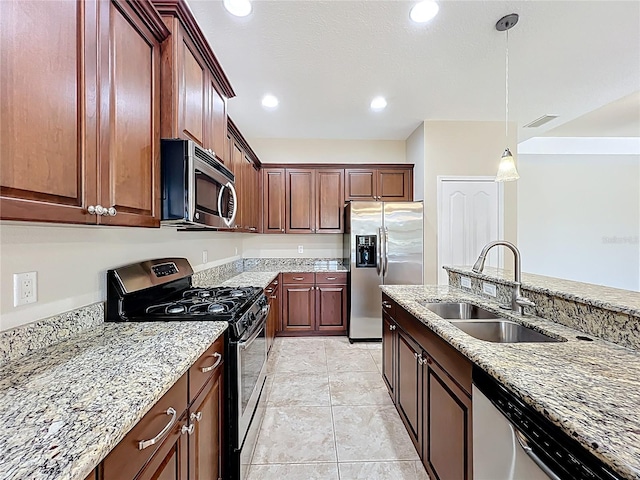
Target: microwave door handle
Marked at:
235, 205
220, 203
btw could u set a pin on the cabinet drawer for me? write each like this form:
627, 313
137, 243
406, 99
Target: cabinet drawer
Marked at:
293, 278
126, 460
338, 278
201, 371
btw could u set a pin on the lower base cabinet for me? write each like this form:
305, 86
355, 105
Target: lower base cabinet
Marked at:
430, 384
182, 436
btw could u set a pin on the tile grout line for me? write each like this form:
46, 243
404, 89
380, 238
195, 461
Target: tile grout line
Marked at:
333, 421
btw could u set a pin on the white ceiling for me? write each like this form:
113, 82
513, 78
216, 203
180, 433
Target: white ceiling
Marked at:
326, 60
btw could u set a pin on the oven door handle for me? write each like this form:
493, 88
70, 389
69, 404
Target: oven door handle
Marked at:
246, 344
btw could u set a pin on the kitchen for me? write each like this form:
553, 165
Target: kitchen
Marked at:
72, 260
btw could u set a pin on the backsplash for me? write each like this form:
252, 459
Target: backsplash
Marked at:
600, 311
291, 264
23, 340
217, 274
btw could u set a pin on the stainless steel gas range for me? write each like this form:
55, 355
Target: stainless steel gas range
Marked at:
162, 290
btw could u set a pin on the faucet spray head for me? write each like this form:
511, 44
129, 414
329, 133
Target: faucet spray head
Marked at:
479, 265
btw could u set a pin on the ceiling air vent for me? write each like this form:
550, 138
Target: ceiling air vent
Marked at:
538, 122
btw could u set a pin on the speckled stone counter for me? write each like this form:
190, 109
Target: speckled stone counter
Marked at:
251, 279
590, 389
64, 407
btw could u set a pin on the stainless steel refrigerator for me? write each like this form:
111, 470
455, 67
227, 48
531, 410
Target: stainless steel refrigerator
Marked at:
383, 246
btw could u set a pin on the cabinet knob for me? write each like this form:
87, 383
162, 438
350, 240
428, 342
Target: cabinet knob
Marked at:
283, 230
188, 429
195, 416
392, 327
111, 212
91, 210
386, 305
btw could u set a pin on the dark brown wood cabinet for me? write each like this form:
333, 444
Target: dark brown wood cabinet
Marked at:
314, 304
430, 383
273, 191
388, 184
273, 320
182, 436
195, 90
88, 145
300, 200
329, 201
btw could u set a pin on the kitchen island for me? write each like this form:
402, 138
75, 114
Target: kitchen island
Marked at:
590, 389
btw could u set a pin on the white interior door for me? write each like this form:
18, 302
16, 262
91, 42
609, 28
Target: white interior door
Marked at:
469, 217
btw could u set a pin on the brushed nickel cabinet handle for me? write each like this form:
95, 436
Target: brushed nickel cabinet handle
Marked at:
208, 369
273, 296
298, 278
269, 290
386, 305
331, 278
147, 443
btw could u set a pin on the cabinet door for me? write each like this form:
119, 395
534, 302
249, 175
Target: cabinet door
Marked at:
329, 201
237, 167
193, 88
300, 213
206, 443
130, 156
272, 320
48, 102
298, 312
446, 450
408, 394
360, 184
273, 190
216, 121
389, 340
331, 308
394, 185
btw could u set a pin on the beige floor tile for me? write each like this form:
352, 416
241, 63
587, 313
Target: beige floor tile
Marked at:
421, 472
292, 471
378, 471
338, 343
358, 388
374, 345
356, 360
303, 362
295, 435
301, 389
373, 433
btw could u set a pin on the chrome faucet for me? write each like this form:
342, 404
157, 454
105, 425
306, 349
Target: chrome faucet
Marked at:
518, 302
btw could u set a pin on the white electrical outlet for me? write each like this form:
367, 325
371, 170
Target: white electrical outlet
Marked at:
205, 256
489, 289
300, 249
25, 288
465, 282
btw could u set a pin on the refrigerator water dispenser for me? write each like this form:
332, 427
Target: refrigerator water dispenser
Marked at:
366, 251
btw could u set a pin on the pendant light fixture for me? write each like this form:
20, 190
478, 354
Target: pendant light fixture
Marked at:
507, 171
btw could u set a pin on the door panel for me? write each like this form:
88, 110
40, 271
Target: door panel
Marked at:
298, 309
206, 443
448, 443
193, 97
409, 394
394, 185
331, 305
360, 184
330, 201
130, 176
217, 123
404, 225
469, 218
48, 124
300, 203
388, 353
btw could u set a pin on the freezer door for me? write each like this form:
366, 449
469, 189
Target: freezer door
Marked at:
365, 319
403, 226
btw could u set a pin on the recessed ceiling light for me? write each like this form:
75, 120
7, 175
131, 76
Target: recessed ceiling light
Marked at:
269, 101
424, 11
378, 103
239, 8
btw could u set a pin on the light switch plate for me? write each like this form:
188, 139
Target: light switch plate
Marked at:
489, 289
300, 249
205, 256
465, 282
25, 288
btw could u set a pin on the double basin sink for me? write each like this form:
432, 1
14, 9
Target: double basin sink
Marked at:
485, 325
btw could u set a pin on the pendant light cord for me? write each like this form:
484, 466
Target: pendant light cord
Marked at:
506, 100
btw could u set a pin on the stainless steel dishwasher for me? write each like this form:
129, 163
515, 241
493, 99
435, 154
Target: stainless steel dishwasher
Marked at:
512, 441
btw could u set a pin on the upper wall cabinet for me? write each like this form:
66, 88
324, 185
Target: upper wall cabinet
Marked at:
75, 147
273, 200
195, 89
389, 184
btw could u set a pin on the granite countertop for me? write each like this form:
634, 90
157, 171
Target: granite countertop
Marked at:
616, 299
251, 279
589, 389
65, 407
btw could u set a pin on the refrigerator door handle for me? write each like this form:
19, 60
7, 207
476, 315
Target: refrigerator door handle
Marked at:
379, 250
386, 251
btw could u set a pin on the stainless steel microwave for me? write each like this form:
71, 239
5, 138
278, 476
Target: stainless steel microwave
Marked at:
197, 190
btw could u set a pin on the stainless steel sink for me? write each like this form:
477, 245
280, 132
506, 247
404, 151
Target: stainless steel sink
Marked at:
459, 311
501, 331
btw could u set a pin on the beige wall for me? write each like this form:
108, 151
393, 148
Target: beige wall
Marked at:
462, 148
415, 155
286, 246
292, 150
71, 261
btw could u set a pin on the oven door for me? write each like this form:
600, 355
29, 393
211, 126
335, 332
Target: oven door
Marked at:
251, 353
212, 197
